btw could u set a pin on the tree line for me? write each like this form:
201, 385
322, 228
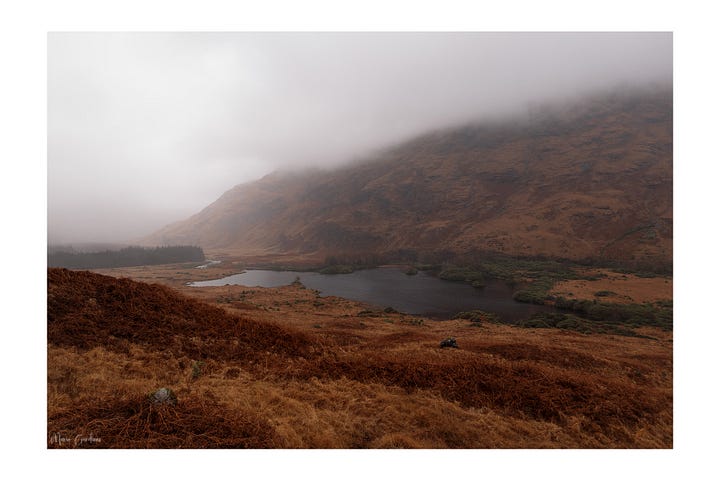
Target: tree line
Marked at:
126, 257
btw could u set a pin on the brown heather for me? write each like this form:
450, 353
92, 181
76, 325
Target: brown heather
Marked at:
283, 368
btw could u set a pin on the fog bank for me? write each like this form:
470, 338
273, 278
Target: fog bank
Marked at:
145, 129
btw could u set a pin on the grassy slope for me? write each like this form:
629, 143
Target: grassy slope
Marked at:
286, 368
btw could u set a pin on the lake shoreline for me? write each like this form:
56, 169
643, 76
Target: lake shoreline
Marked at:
388, 286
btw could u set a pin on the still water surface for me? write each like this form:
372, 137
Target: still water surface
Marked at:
420, 294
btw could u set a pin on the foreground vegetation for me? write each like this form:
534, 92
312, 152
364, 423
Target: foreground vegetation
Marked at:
285, 368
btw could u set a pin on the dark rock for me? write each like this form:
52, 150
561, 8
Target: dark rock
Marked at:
449, 343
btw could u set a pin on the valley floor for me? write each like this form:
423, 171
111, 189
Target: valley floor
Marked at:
302, 371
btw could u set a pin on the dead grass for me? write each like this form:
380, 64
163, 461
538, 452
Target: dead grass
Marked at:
196, 422
356, 382
86, 310
618, 288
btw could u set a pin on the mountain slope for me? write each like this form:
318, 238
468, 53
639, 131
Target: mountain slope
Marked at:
589, 180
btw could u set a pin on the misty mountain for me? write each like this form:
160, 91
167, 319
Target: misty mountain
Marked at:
589, 180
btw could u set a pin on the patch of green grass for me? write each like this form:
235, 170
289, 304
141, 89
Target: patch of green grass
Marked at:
644, 314
477, 316
605, 293
337, 269
534, 323
424, 267
536, 275
536, 292
197, 368
577, 324
461, 274
413, 321
659, 271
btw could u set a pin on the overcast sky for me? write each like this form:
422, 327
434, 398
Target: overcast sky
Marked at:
146, 129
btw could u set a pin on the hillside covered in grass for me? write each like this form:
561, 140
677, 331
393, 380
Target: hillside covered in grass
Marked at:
286, 368
586, 180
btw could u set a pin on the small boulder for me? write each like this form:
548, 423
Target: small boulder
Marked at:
163, 396
449, 343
